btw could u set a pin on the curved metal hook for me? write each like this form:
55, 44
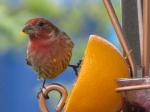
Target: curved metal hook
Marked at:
57, 87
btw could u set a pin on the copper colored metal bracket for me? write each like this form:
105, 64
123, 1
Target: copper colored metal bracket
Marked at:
120, 35
49, 88
131, 88
146, 37
130, 84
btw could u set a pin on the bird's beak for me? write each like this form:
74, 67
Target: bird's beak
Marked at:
22, 34
28, 29
25, 30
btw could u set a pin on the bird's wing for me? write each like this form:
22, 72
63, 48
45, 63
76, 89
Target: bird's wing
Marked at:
66, 36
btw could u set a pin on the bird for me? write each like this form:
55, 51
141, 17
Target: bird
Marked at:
49, 49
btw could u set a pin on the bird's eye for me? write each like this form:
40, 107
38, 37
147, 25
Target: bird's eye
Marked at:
41, 24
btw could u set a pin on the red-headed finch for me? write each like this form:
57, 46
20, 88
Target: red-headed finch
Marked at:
49, 49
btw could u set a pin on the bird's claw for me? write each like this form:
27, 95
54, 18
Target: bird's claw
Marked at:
75, 67
41, 92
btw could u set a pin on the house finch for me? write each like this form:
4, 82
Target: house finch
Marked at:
49, 50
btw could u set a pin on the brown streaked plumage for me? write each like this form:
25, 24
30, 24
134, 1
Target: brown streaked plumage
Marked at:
49, 50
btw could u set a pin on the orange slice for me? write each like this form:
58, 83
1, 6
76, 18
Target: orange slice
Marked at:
94, 90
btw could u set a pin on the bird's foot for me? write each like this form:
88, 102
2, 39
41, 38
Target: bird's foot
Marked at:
75, 67
41, 92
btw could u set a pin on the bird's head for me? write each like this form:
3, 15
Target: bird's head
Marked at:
39, 27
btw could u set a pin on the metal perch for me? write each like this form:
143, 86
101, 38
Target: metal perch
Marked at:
49, 88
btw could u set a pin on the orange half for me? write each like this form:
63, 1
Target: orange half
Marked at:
94, 90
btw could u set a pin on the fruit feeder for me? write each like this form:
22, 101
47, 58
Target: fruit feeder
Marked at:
135, 89
107, 81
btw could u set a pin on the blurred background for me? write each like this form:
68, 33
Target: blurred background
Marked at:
78, 18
